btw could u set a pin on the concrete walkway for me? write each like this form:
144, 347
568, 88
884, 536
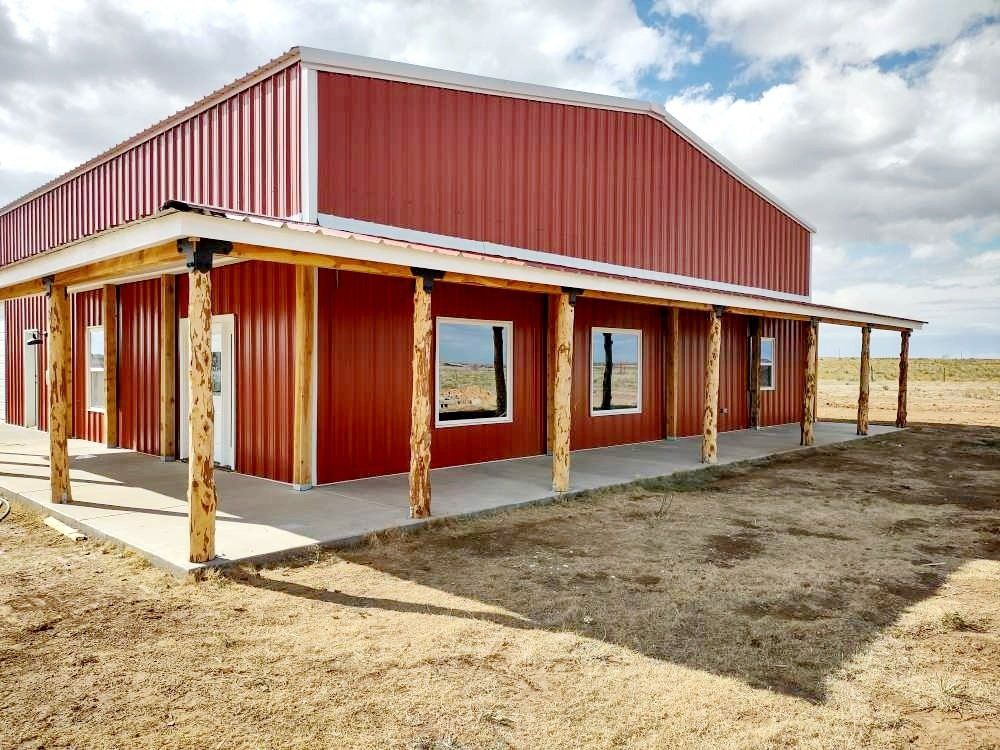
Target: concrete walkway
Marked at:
139, 501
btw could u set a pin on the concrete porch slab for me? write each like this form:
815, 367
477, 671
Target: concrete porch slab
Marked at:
139, 501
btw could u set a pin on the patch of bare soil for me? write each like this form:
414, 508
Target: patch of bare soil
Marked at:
837, 598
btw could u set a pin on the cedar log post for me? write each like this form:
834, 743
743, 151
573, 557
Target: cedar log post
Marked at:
904, 368
562, 388
60, 395
109, 302
709, 441
673, 345
755, 373
420, 400
202, 499
866, 371
305, 302
809, 394
168, 367
551, 313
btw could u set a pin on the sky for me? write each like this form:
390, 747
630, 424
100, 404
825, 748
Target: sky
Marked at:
878, 120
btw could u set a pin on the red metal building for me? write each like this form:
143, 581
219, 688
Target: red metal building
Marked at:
327, 183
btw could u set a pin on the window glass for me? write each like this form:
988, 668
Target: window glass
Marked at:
616, 373
95, 347
767, 364
473, 371
95, 368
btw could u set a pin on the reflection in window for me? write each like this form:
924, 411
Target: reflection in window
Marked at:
95, 368
473, 371
615, 371
767, 364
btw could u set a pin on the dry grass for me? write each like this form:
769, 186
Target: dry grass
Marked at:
847, 597
940, 391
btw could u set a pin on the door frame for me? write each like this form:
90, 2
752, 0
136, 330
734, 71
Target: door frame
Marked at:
30, 354
228, 322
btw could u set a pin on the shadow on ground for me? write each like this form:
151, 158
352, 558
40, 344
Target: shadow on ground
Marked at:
775, 573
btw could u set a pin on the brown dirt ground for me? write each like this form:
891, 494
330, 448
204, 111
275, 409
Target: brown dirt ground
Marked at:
972, 402
843, 597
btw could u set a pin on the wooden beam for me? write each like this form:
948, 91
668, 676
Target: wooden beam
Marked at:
305, 305
755, 326
420, 401
150, 259
201, 420
109, 303
866, 372
60, 392
673, 374
710, 430
904, 369
562, 388
809, 392
168, 367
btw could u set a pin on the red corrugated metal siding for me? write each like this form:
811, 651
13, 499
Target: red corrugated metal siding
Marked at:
261, 297
364, 349
365, 326
784, 403
87, 311
733, 373
597, 184
23, 314
139, 366
525, 436
589, 431
242, 153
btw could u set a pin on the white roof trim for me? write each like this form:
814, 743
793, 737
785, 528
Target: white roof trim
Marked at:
341, 62
240, 228
371, 228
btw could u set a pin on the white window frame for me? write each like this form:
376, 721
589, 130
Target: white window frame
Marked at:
508, 359
773, 364
91, 370
638, 399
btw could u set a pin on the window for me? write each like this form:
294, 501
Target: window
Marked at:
767, 364
473, 371
95, 368
615, 371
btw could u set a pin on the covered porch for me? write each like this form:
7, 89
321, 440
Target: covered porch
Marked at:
188, 240
141, 502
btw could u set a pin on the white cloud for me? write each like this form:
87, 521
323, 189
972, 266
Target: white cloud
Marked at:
847, 31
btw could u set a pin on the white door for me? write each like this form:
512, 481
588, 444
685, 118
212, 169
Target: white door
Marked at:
30, 359
223, 388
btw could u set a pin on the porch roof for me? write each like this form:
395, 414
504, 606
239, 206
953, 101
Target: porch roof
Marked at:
292, 241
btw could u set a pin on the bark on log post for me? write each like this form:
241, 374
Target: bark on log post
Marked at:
420, 403
755, 373
109, 303
866, 371
562, 392
168, 367
305, 302
809, 394
709, 440
201, 420
59, 376
551, 311
904, 369
673, 346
